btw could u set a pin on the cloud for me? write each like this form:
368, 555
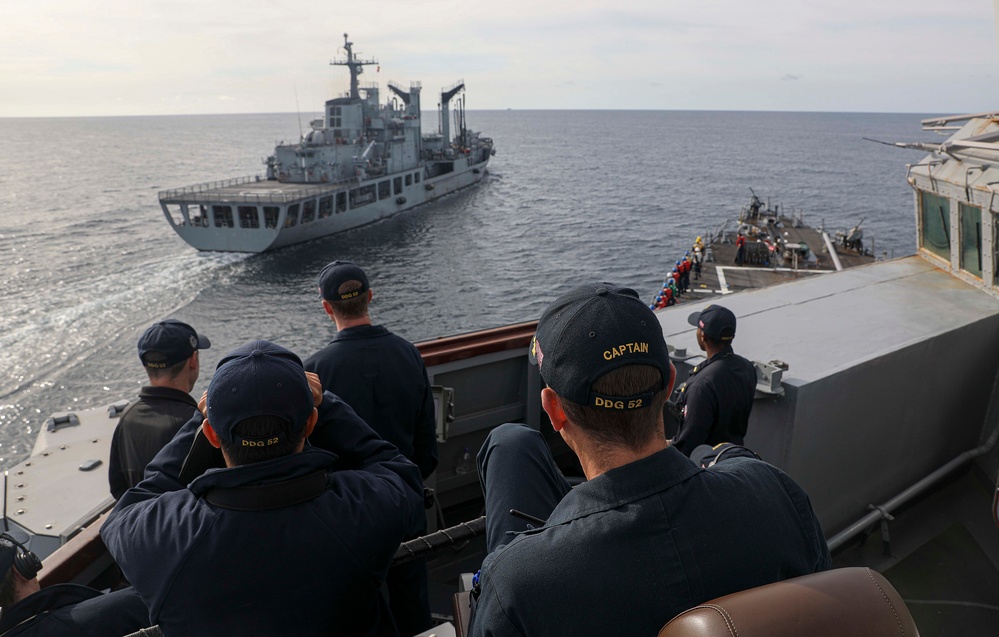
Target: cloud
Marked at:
791, 77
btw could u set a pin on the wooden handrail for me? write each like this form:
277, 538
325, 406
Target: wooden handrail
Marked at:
463, 346
70, 559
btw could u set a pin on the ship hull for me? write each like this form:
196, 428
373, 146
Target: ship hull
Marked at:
257, 215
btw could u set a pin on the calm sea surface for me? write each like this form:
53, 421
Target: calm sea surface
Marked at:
87, 260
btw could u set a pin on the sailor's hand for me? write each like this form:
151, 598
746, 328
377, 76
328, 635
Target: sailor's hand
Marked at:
317, 388
203, 404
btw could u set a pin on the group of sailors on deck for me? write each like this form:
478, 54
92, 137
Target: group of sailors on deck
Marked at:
276, 507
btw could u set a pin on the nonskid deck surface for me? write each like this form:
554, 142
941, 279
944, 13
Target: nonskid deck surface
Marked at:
721, 275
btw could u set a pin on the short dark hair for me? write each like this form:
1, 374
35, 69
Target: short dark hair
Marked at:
7, 591
262, 427
633, 428
351, 308
163, 372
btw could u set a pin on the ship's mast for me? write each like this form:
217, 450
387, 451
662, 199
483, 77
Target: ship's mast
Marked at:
355, 66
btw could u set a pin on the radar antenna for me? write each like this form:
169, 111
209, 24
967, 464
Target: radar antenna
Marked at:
355, 65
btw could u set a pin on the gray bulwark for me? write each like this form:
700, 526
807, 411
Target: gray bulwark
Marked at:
870, 351
48, 495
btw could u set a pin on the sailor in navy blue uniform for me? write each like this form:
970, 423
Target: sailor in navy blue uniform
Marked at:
382, 377
60, 610
649, 534
717, 398
288, 539
169, 352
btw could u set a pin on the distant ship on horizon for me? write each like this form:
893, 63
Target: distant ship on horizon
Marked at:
359, 163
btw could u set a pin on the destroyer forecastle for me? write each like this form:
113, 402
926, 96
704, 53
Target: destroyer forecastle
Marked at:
360, 163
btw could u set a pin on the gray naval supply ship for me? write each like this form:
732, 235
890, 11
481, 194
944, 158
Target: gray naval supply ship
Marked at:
878, 392
360, 163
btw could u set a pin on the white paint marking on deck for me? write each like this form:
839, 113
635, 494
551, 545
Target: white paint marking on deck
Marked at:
832, 251
723, 283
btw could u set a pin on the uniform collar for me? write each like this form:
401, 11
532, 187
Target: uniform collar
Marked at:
633, 481
169, 393
280, 469
724, 352
359, 331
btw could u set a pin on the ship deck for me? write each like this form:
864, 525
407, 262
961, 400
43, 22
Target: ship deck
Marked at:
720, 274
250, 190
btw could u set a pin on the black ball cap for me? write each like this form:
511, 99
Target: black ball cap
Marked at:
594, 329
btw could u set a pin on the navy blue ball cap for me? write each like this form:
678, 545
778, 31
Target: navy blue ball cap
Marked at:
258, 378
717, 322
594, 329
169, 342
336, 274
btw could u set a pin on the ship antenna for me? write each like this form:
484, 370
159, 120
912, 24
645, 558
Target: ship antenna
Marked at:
298, 108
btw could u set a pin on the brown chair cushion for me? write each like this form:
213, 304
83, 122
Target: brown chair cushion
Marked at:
854, 602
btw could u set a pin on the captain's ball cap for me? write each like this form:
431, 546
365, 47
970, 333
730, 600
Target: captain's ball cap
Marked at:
717, 322
169, 342
594, 329
336, 274
258, 379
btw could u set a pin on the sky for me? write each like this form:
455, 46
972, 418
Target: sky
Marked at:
70, 58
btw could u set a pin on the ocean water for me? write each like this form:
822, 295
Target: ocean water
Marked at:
87, 260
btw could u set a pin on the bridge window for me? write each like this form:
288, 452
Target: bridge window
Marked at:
409, 180
248, 217
384, 189
199, 218
292, 217
362, 196
935, 220
416, 176
971, 238
397, 185
341, 202
309, 211
223, 216
325, 207
271, 216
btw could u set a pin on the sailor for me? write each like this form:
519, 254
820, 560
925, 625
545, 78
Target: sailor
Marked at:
698, 257
168, 351
668, 299
717, 398
687, 266
383, 378
740, 249
60, 610
678, 534
319, 527
675, 282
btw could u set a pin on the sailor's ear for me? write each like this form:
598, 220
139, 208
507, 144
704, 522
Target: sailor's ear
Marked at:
213, 438
672, 379
328, 307
552, 405
310, 424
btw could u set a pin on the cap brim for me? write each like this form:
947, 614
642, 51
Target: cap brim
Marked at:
694, 319
699, 453
203, 342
